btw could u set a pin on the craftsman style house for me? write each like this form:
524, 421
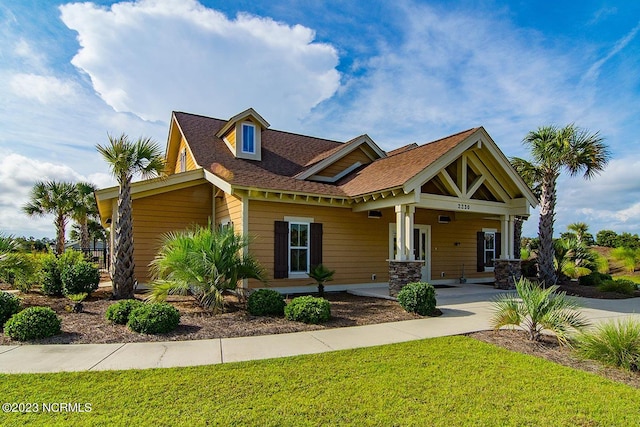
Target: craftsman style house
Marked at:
447, 207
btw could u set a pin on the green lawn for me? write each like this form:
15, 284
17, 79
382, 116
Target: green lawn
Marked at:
444, 381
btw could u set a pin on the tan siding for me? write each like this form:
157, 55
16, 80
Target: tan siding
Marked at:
228, 206
231, 138
191, 164
347, 161
155, 215
353, 245
445, 255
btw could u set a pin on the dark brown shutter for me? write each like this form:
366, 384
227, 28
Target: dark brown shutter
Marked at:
315, 257
480, 251
281, 249
498, 245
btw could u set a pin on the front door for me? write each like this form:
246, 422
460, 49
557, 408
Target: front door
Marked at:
421, 247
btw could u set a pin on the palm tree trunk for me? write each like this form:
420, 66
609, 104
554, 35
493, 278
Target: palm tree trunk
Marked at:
517, 236
61, 223
123, 276
546, 271
85, 242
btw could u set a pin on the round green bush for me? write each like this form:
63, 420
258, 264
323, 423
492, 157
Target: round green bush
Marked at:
594, 279
79, 278
33, 323
9, 305
120, 311
154, 318
308, 309
51, 281
266, 302
418, 298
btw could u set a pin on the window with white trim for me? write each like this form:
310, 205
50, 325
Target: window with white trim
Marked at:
248, 138
298, 247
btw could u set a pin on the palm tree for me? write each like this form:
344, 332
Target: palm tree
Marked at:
535, 309
579, 229
554, 149
52, 197
126, 159
204, 263
321, 275
84, 208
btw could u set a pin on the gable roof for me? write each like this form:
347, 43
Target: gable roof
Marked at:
288, 159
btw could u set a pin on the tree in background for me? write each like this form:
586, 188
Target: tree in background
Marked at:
52, 197
84, 208
606, 238
127, 159
554, 149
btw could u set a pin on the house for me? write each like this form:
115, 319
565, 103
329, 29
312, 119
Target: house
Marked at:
442, 212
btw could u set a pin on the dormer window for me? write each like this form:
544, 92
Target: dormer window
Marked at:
248, 138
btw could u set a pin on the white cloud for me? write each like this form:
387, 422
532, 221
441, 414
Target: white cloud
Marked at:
45, 89
151, 57
18, 174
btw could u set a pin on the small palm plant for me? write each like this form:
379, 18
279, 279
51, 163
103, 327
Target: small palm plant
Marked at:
535, 309
204, 263
77, 299
321, 275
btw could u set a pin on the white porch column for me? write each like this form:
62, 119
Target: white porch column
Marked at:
410, 244
400, 233
504, 238
511, 239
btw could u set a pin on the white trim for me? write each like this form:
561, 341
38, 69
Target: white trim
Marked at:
252, 126
342, 152
484, 249
299, 274
217, 181
299, 219
337, 176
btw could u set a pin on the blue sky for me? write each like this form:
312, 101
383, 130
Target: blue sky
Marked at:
402, 72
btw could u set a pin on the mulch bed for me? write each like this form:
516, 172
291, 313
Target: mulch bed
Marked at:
91, 327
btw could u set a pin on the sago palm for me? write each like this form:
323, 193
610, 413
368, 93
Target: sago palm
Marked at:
535, 309
579, 229
555, 149
52, 197
204, 263
321, 275
127, 159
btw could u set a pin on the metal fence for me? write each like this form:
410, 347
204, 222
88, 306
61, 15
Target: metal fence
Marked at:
100, 257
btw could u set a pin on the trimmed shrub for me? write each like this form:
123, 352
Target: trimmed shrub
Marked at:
418, 298
120, 311
154, 318
266, 302
308, 309
614, 343
51, 281
33, 323
621, 286
79, 278
9, 305
594, 279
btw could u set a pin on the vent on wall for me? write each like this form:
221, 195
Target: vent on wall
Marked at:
444, 219
375, 214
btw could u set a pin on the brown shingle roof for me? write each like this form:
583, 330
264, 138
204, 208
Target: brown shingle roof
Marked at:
393, 171
285, 155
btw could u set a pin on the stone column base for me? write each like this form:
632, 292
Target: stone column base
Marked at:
507, 272
402, 273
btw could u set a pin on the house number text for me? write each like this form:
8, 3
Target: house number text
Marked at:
464, 206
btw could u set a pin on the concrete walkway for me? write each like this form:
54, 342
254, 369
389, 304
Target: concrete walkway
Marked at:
465, 309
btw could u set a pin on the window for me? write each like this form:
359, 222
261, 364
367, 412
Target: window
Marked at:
183, 160
248, 138
298, 247
489, 248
